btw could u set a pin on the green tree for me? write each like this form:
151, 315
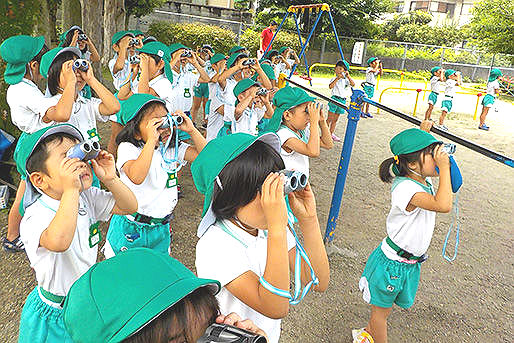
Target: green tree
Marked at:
492, 25
139, 8
390, 28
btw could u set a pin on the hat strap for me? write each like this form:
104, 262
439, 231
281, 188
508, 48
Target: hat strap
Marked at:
218, 181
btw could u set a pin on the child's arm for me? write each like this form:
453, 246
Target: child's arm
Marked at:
62, 111
226, 74
295, 56
269, 108
334, 82
303, 205
247, 287
95, 56
459, 79
109, 104
144, 79
350, 80
245, 103
311, 148
137, 169
197, 138
266, 83
122, 55
442, 201
326, 141
204, 77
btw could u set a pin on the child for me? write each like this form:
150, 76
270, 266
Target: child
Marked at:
453, 79
237, 49
299, 130
392, 271
216, 97
182, 305
149, 169
201, 90
374, 69
493, 89
75, 37
341, 87
437, 75
287, 63
60, 225
244, 241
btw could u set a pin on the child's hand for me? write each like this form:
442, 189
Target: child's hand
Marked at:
426, 125
70, 171
143, 64
303, 203
124, 43
273, 202
314, 112
187, 125
151, 130
440, 157
235, 320
240, 63
135, 71
68, 72
75, 38
104, 166
321, 114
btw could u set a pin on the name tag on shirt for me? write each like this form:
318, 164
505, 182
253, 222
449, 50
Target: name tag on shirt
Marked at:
94, 234
172, 180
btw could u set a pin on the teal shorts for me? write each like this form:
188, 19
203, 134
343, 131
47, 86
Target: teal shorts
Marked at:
369, 90
125, 234
385, 282
488, 100
41, 322
334, 108
201, 91
447, 105
432, 98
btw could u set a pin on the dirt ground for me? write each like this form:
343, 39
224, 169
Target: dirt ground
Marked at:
469, 300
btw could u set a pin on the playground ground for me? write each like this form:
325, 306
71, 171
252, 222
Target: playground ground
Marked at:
469, 300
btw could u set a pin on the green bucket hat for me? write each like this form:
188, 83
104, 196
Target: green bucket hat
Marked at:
346, 65
236, 48
285, 99
233, 58
27, 147
268, 70
110, 303
449, 72
176, 46
217, 57
49, 57
137, 32
282, 49
371, 60
131, 107
213, 158
408, 141
119, 35
434, 70
161, 50
495, 73
17, 51
243, 85
149, 39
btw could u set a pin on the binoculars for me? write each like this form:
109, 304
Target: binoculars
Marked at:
177, 120
262, 91
224, 333
295, 181
82, 36
134, 59
250, 62
84, 151
187, 53
133, 42
80, 64
449, 148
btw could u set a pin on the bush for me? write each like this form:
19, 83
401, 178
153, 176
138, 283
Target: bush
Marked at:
250, 40
263, 18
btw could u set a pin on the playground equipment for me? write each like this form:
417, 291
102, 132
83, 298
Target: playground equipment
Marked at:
354, 112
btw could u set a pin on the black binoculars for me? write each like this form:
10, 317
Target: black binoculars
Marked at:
134, 59
187, 53
224, 333
82, 36
262, 91
250, 62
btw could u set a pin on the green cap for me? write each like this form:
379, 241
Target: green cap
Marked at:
213, 158
119, 35
265, 61
233, 58
243, 85
410, 140
217, 57
449, 72
161, 50
62, 37
371, 59
495, 73
285, 99
137, 32
26, 148
131, 107
346, 65
17, 51
434, 70
150, 39
282, 49
176, 46
236, 48
49, 57
117, 297
268, 70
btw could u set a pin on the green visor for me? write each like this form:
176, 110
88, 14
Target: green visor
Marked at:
49, 58
161, 50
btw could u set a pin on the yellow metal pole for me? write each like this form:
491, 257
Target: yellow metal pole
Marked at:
378, 80
476, 107
401, 81
416, 104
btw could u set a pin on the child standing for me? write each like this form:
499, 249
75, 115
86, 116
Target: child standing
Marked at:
493, 89
374, 69
216, 108
287, 63
244, 240
437, 76
149, 157
453, 79
341, 87
392, 272
201, 90
60, 225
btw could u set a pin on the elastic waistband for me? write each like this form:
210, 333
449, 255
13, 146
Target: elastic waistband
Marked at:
58, 299
366, 83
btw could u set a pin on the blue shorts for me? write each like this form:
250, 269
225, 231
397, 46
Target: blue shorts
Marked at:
369, 90
488, 100
201, 91
432, 98
447, 104
334, 108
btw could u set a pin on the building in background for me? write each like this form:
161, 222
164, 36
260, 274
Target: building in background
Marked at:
443, 11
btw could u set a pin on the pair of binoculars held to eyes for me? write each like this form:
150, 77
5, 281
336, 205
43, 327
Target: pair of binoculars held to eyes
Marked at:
187, 53
84, 151
224, 333
177, 121
82, 36
295, 181
80, 64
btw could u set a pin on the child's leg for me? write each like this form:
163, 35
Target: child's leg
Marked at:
377, 326
429, 111
13, 222
197, 101
332, 121
366, 108
483, 115
112, 147
204, 108
441, 118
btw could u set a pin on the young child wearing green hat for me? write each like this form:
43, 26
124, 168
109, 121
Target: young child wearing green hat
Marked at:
121, 68
75, 37
493, 89
374, 69
341, 87
286, 62
216, 107
244, 241
437, 76
148, 160
453, 79
60, 226
392, 272
201, 90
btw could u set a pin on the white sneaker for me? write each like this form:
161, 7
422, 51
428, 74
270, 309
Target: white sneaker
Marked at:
442, 127
361, 336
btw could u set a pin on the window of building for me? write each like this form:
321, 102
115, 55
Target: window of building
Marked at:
419, 5
466, 9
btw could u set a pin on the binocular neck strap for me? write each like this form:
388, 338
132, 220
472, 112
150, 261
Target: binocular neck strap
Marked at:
172, 165
456, 223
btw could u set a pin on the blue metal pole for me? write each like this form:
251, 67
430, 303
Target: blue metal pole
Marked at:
354, 113
335, 33
307, 41
301, 44
276, 32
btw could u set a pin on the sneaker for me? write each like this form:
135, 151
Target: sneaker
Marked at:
442, 127
204, 126
484, 127
15, 245
335, 138
368, 115
179, 190
361, 336
363, 115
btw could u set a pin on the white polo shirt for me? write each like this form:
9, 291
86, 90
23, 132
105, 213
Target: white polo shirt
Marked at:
28, 106
411, 231
492, 87
450, 88
154, 198
57, 271
121, 77
162, 86
247, 122
342, 88
183, 84
371, 76
214, 118
224, 256
294, 160
434, 84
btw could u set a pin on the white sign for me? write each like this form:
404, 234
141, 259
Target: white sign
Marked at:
357, 53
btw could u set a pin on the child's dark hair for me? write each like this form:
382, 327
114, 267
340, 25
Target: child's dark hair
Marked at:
69, 38
186, 319
37, 160
55, 70
340, 63
156, 58
273, 54
403, 163
37, 58
251, 167
129, 131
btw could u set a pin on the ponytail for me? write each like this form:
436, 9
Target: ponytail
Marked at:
384, 171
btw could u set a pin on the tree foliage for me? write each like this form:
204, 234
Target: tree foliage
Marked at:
139, 8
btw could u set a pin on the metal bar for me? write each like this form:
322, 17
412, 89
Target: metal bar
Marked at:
306, 41
301, 44
335, 34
